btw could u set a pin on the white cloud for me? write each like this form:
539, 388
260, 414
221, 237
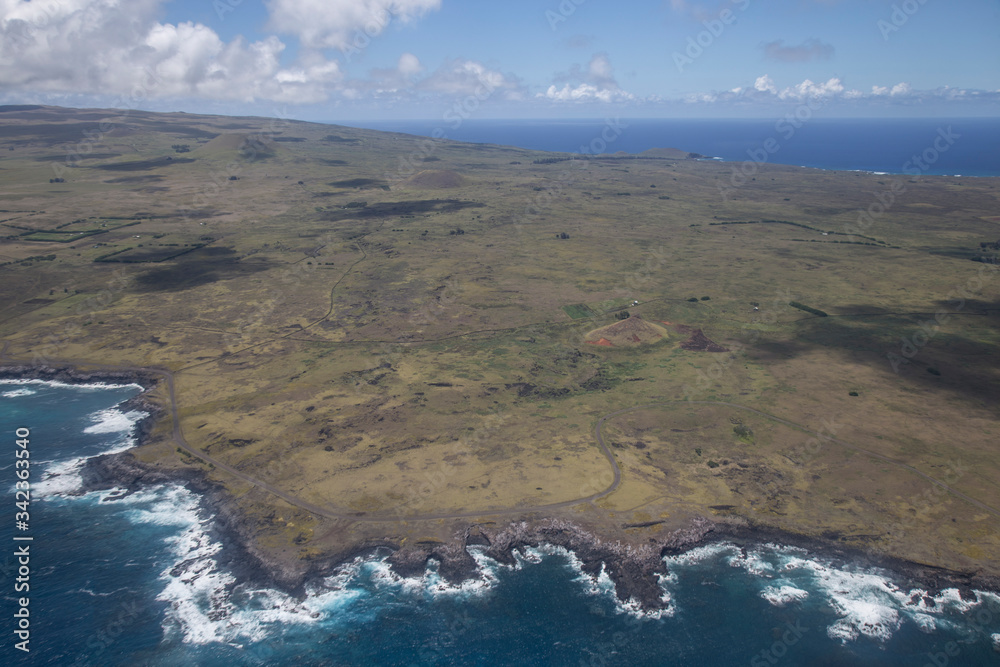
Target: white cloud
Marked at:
766, 91
808, 89
337, 23
596, 83
409, 65
901, 89
600, 69
455, 80
765, 84
585, 92
118, 48
465, 77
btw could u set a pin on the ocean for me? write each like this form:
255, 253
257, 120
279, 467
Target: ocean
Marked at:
848, 144
141, 580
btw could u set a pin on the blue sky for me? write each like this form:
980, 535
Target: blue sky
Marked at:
382, 59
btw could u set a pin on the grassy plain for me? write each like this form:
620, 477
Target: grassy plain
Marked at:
394, 329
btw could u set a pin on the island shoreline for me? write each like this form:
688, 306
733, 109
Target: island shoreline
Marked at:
634, 570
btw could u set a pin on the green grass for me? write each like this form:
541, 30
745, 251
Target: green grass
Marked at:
478, 314
578, 311
609, 305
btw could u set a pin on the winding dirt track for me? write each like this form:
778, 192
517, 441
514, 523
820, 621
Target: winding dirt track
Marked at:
331, 513
340, 514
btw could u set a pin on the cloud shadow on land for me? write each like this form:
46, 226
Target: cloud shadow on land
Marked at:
201, 267
391, 209
951, 359
144, 165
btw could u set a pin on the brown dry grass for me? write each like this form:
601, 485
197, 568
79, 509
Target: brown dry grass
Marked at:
370, 361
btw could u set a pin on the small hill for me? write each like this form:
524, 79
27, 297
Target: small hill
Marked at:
627, 333
672, 153
431, 179
698, 341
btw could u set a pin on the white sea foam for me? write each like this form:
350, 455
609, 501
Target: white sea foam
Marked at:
95, 594
60, 478
87, 386
437, 585
430, 582
601, 585
16, 393
529, 555
206, 605
868, 604
995, 638
990, 598
779, 596
489, 567
926, 623
753, 561
865, 615
699, 554
113, 420
63, 477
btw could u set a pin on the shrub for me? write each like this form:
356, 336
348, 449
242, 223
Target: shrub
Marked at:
853, 393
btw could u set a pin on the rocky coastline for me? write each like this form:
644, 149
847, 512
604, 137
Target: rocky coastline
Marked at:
635, 569
70, 375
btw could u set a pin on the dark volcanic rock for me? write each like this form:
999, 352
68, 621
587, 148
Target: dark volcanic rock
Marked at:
455, 564
123, 471
73, 376
229, 526
634, 570
69, 375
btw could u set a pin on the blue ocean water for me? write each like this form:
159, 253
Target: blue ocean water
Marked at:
869, 144
137, 581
